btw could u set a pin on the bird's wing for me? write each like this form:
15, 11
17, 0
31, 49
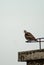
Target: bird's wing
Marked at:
30, 35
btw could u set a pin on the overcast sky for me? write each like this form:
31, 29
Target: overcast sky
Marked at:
15, 16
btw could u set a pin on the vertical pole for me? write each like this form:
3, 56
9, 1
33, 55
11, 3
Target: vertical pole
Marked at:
40, 44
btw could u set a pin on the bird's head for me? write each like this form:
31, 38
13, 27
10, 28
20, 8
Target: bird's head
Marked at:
25, 31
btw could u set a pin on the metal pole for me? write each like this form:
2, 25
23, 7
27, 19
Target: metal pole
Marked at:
40, 44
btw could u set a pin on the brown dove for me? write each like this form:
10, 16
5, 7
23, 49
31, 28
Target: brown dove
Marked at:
29, 36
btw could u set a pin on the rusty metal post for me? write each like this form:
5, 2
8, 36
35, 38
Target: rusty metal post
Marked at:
34, 57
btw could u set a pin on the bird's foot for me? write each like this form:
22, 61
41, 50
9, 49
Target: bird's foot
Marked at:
28, 41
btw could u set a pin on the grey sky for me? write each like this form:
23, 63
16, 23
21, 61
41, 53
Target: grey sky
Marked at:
15, 16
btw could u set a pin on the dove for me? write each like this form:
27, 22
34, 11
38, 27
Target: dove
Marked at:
29, 36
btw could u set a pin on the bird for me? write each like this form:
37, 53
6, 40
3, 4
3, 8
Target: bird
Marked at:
29, 36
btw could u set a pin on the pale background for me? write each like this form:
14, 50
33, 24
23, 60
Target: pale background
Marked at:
15, 16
